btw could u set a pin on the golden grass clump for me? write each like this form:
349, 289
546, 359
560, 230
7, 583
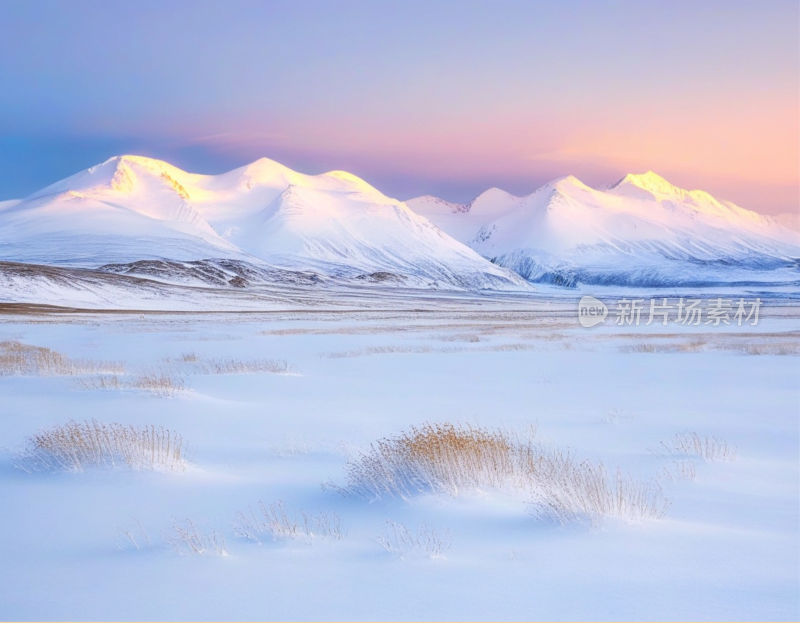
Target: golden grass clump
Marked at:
450, 458
434, 457
77, 446
18, 359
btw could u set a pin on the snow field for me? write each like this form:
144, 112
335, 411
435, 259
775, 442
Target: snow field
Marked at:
247, 530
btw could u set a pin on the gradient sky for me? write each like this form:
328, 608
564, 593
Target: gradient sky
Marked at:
445, 98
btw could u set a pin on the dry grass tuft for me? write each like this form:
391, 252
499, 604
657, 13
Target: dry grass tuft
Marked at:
242, 366
770, 348
162, 382
448, 458
397, 539
138, 539
683, 468
566, 490
18, 359
689, 346
384, 350
516, 347
76, 446
644, 347
434, 457
102, 382
169, 378
707, 448
275, 521
746, 344
459, 337
189, 540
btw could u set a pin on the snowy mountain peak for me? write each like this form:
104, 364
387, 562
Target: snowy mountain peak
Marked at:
491, 197
152, 164
131, 165
123, 175
652, 186
649, 181
568, 183
349, 178
263, 171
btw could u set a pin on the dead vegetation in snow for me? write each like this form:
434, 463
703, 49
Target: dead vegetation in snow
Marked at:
221, 365
708, 448
78, 446
745, 343
452, 458
186, 539
169, 378
19, 359
425, 541
162, 381
278, 523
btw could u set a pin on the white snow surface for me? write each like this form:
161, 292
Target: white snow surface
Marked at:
132, 208
728, 547
641, 231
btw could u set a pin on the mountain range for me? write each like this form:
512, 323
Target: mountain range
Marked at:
139, 216
129, 209
640, 231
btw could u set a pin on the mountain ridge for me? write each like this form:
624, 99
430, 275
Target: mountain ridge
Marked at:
132, 208
639, 231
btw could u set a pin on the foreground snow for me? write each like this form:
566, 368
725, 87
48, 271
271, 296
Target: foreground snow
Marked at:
727, 548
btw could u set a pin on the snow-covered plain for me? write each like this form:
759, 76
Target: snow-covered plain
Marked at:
727, 548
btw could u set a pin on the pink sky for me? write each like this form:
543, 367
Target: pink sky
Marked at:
444, 98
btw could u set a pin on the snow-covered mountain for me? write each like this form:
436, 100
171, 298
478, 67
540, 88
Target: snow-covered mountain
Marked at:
640, 231
143, 217
129, 209
789, 220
